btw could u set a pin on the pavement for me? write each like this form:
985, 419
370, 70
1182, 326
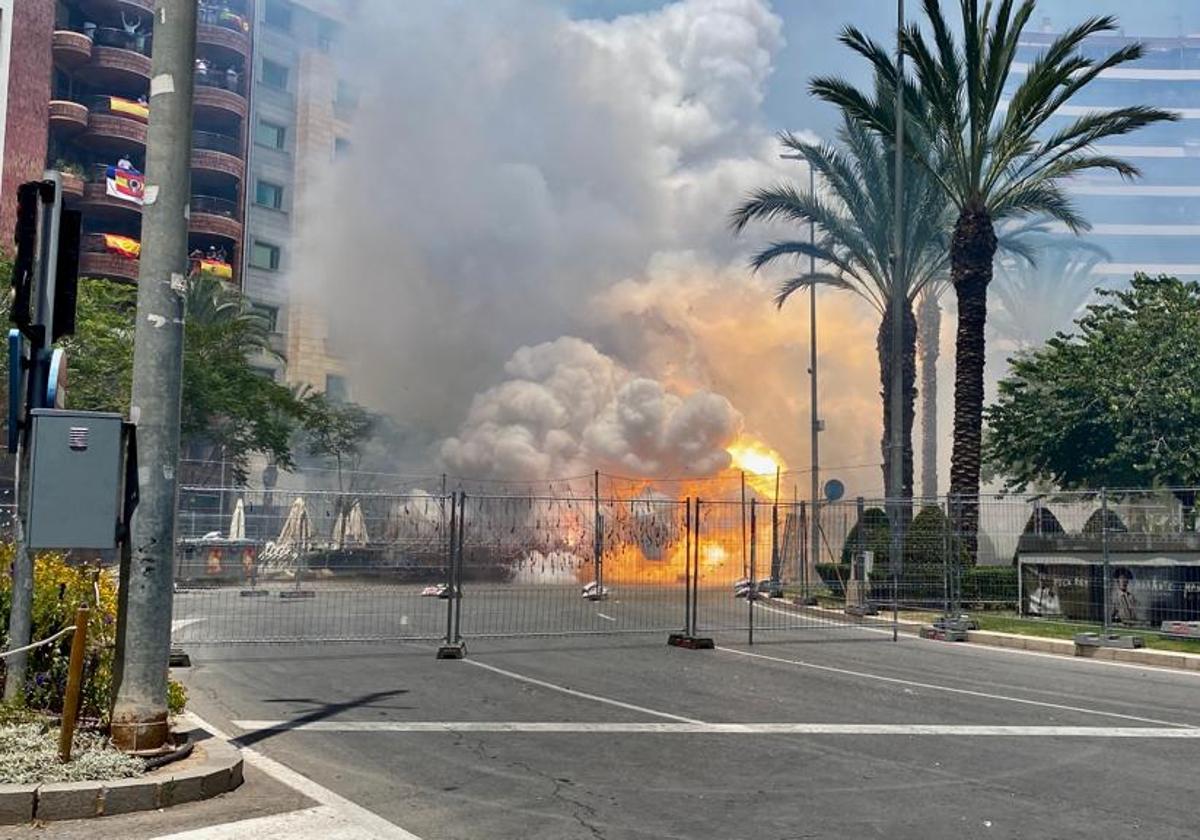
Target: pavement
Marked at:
815, 731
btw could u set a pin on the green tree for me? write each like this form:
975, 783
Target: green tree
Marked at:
1116, 404
854, 243
991, 149
335, 430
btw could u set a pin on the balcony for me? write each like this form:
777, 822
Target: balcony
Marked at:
224, 33
68, 117
71, 49
217, 158
97, 202
120, 62
218, 97
72, 186
114, 125
215, 217
95, 260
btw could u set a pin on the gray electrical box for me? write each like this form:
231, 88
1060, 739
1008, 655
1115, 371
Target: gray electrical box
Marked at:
76, 472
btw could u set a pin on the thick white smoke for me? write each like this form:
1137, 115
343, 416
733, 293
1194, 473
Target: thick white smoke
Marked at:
569, 409
519, 176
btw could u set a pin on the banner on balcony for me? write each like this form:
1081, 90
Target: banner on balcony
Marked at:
1142, 591
120, 105
216, 268
122, 246
126, 185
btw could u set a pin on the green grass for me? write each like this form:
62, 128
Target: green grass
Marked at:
1001, 622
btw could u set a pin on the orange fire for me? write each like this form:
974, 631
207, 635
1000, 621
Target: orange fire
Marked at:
759, 462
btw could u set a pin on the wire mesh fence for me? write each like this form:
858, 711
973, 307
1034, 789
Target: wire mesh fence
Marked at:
257, 566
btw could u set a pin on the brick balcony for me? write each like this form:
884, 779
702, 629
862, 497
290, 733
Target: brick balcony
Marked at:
71, 49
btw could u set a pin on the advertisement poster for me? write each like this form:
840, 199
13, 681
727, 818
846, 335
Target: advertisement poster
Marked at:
1142, 591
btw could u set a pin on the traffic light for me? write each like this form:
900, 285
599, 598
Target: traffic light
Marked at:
45, 279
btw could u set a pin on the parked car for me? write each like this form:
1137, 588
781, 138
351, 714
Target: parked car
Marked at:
436, 590
742, 587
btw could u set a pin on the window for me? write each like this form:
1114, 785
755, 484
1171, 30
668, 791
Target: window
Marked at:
270, 314
274, 75
264, 255
267, 194
278, 15
270, 134
326, 33
341, 147
335, 387
346, 97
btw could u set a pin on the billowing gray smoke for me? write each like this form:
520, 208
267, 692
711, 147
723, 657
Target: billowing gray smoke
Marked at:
519, 176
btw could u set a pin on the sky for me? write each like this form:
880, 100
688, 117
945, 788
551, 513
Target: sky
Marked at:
527, 260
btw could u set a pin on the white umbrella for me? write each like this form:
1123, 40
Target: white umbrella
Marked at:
297, 528
350, 528
237, 524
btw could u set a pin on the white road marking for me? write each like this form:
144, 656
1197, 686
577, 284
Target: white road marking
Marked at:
605, 617
564, 690
368, 823
656, 728
321, 823
951, 690
180, 623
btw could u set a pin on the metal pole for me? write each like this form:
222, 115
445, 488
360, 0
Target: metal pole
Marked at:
597, 538
457, 593
898, 306
775, 530
1104, 559
687, 567
814, 555
752, 592
745, 570
139, 720
451, 556
66, 732
696, 573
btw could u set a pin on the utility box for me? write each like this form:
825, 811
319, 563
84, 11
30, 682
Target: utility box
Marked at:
75, 479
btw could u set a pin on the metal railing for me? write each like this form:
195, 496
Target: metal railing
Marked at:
214, 205
221, 79
213, 142
107, 36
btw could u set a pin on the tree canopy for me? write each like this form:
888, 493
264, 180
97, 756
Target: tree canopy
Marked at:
1116, 403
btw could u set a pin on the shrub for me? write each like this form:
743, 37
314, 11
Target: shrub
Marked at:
990, 584
876, 537
59, 587
834, 576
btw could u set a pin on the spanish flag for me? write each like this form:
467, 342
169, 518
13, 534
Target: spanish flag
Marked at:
220, 270
120, 105
122, 246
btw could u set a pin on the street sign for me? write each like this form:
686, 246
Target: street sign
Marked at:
834, 490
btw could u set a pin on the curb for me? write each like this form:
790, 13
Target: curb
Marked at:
1066, 647
215, 767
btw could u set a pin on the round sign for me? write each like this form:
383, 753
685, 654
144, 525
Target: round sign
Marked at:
56, 385
834, 490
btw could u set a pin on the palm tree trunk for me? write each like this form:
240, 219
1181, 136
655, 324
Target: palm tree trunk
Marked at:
929, 329
971, 254
883, 346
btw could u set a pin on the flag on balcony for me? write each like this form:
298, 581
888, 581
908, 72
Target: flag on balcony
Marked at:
122, 246
125, 184
218, 269
120, 105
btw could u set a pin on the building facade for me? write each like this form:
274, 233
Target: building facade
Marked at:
1151, 224
301, 114
97, 115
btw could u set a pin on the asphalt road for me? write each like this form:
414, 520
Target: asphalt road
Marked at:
811, 733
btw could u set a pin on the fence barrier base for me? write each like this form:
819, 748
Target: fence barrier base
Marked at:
457, 650
688, 642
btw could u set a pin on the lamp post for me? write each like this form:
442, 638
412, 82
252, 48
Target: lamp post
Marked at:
894, 491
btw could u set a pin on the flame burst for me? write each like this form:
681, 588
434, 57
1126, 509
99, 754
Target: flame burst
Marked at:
759, 462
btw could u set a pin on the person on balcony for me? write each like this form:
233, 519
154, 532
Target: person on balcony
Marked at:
231, 78
125, 163
201, 69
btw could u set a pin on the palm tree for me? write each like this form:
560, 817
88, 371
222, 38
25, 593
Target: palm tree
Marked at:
854, 244
995, 158
1040, 298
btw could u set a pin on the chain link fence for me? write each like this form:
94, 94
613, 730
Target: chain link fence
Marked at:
257, 566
